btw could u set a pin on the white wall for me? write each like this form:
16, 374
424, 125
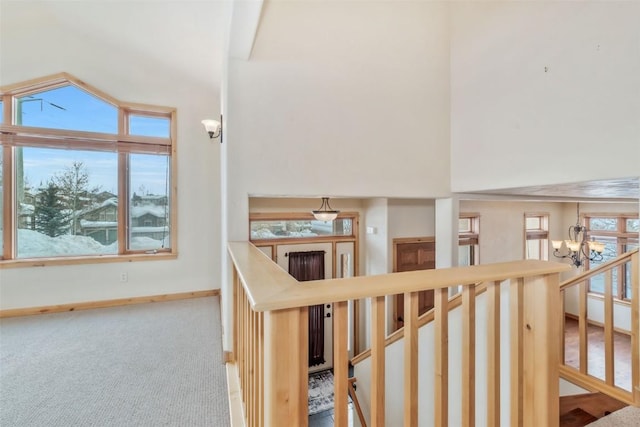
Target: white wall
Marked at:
36, 42
353, 105
502, 226
544, 92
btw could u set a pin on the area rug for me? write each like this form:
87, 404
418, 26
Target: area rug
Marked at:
320, 392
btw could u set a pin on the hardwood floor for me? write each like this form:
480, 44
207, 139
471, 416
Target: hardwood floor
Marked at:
581, 410
595, 343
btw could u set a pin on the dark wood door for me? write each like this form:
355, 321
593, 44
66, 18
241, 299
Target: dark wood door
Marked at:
411, 255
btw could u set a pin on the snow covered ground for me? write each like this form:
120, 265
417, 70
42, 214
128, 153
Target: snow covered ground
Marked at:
32, 244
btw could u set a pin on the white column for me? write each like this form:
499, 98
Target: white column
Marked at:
447, 212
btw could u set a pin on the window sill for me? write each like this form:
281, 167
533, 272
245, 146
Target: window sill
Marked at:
600, 297
99, 259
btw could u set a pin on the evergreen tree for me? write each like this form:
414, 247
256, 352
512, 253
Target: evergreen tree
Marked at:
50, 215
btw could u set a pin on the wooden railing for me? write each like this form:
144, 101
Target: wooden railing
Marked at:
270, 340
577, 288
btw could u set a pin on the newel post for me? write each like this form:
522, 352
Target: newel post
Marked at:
286, 367
535, 351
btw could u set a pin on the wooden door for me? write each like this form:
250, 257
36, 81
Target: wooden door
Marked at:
409, 255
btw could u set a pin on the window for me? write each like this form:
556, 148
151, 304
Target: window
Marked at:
536, 236
619, 235
87, 175
299, 228
468, 232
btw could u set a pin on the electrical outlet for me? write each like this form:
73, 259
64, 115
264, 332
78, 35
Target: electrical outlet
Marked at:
124, 277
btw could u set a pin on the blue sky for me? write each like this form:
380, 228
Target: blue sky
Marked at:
71, 108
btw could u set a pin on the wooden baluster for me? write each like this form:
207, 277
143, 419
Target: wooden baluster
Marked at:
340, 364
635, 327
608, 328
260, 367
252, 363
411, 359
493, 354
541, 403
516, 297
441, 327
562, 322
469, 355
582, 328
377, 361
286, 367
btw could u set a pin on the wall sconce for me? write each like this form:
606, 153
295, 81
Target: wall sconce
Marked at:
325, 213
214, 128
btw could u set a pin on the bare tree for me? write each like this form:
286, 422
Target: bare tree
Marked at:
74, 189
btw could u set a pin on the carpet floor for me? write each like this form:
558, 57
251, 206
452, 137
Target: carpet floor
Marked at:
154, 364
626, 417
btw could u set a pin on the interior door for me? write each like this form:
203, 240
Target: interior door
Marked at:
283, 261
411, 255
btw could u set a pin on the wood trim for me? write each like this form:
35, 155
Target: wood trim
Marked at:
402, 240
228, 357
271, 288
516, 318
594, 384
608, 328
14, 312
411, 366
100, 259
469, 356
235, 396
493, 354
441, 359
340, 363
635, 327
377, 361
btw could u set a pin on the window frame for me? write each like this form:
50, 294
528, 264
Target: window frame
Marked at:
622, 238
122, 143
471, 237
541, 234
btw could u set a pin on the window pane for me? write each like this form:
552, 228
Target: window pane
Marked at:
534, 249
609, 253
633, 225
149, 126
533, 223
66, 107
149, 222
1, 205
464, 225
609, 224
1, 112
464, 255
66, 202
292, 229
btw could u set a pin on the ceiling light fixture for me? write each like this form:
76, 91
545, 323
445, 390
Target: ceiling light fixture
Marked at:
578, 248
214, 128
325, 213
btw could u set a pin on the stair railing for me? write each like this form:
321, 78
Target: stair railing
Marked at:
271, 355
577, 288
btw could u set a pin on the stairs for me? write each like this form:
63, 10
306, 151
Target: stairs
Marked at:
582, 409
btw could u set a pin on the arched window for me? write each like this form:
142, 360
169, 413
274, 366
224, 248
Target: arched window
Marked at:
75, 164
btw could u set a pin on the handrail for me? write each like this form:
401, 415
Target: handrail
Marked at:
581, 375
271, 339
274, 289
622, 259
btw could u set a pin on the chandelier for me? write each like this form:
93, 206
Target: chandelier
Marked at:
325, 213
578, 248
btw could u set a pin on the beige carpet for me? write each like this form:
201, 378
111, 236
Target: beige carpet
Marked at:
626, 417
144, 365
